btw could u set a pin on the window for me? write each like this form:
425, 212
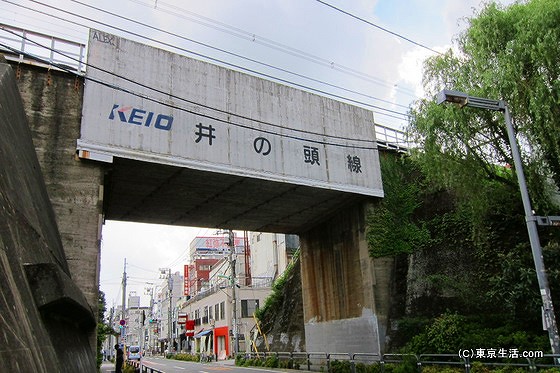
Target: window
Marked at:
217, 311
204, 267
222, 310
210, 317
248, 307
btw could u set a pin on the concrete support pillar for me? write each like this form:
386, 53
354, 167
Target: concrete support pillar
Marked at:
345, 293
53, 104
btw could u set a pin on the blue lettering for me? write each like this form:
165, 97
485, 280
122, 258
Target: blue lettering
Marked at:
120, 112
141, 117
167, 118
134, 115
112, 115
149, 119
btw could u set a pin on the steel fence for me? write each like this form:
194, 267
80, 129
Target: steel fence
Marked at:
323, 361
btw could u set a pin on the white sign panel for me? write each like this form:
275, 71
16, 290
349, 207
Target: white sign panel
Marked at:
148, 104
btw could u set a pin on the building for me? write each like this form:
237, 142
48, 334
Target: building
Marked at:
205, 253
165, 310
212, 313
270, 255
136, 326
223, 309
204, 297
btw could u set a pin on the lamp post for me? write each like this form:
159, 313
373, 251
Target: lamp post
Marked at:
463, 99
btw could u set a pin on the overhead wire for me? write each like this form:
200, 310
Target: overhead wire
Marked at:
172, 106
378, 27
236, 54
180, 257
252, 37
390, 113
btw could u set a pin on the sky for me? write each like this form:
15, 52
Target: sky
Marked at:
373, 60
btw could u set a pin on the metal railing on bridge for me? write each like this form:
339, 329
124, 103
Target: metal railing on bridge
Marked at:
49, 51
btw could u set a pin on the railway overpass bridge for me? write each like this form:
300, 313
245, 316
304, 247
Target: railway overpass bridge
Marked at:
145, 135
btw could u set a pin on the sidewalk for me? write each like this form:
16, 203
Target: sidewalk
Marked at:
107, 367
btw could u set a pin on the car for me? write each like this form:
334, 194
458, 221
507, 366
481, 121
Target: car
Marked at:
134, 353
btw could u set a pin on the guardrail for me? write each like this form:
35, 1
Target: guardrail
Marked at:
392, 139
144, 368
54, 51
323, 361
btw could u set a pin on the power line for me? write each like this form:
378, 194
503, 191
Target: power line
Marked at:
387, 112
252, 37
192, 102
377, 26
236, 54
173, 106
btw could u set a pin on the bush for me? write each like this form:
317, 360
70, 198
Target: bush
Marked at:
129, 369
271, 362
341, 366
239, 360
186, 357
440, 369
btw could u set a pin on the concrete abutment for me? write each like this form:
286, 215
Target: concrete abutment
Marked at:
345, 292
47, 325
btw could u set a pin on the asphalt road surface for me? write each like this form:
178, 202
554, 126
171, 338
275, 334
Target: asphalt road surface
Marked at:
178, 366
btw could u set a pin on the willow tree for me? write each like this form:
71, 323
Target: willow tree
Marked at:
510, 53
506, 53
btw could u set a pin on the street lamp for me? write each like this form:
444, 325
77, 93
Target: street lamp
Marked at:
463, 99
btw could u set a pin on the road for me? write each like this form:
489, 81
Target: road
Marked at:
178, 366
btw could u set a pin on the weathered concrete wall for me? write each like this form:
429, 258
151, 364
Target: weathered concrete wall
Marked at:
346, 294
45, 320
53, 103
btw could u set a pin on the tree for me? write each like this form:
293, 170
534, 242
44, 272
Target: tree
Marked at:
507, 53
103, 329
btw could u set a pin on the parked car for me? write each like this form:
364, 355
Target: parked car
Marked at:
134, 353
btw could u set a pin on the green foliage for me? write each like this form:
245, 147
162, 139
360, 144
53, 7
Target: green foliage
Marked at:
103, 329
274, 300
441, 369
506, 53
128, 369
271, 362
239, 359
450, 332
338, 366
185, 357
390, 226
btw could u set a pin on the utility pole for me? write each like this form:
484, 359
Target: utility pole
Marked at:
123, 309
170, 287
165, 273
232, 262
150, 291
111, 323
